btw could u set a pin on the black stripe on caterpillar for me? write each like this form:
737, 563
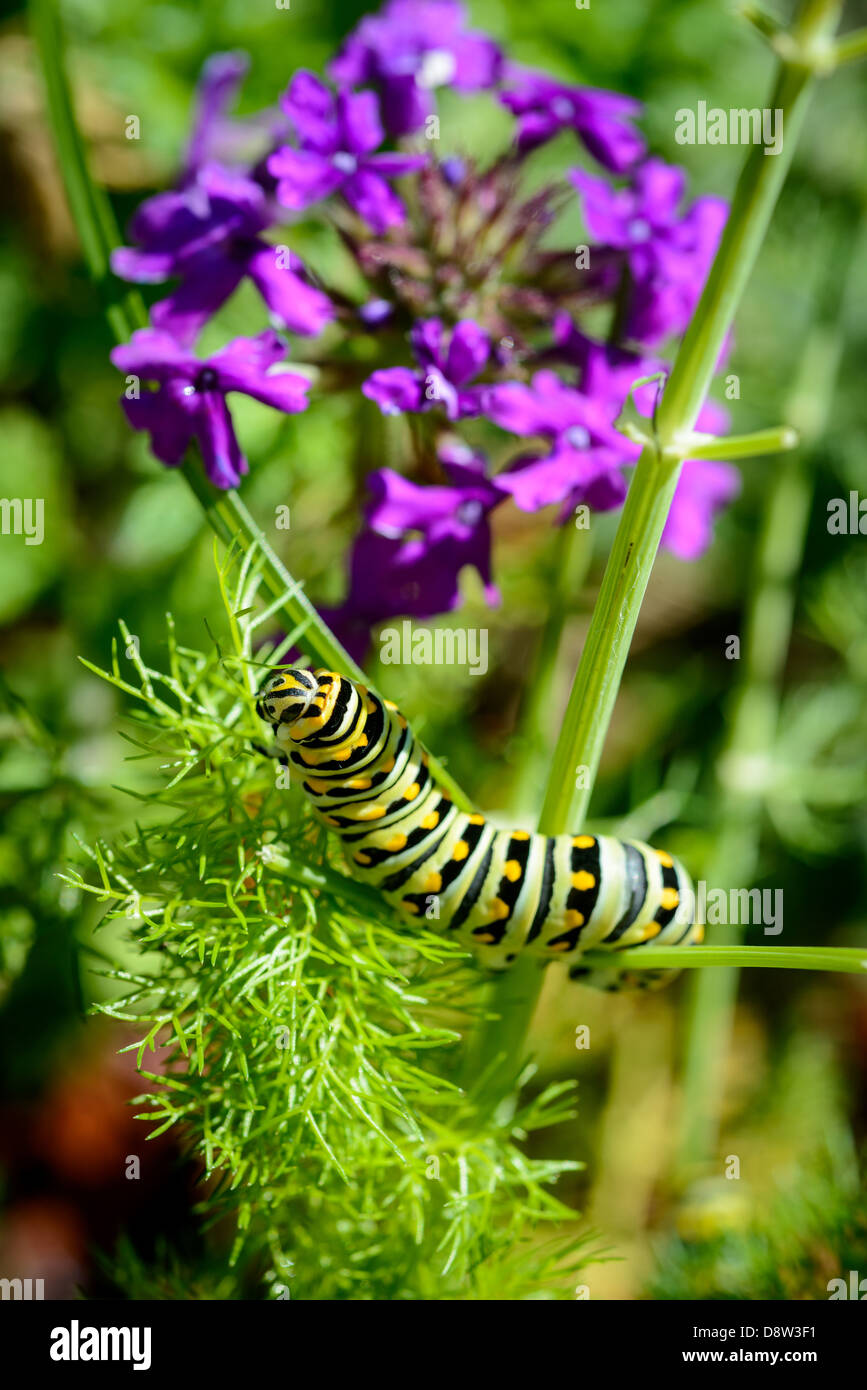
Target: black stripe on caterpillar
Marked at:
502, 891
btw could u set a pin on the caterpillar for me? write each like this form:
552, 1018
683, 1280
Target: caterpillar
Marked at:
368, 779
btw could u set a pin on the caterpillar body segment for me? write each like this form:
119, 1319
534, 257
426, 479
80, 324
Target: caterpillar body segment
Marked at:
502, 891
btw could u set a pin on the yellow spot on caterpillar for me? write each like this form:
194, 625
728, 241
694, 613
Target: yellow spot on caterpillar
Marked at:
698, 935
430, 821
670, 898
330, 820
520, 835
499, 909
433, 883
362, 858
369, 707
484, 937
664, 859
370, 813
582, 880
317, 785
358, 784
388, 765
401, 721
408, 906
559, 946
342, 754
476, 819
652, 929
573, 918
461, 850
512, 870
412, 792
584, 842
389, 704
425, 758
362, 740
396, 842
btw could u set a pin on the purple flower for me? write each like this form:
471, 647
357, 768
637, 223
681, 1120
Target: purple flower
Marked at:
586, 454
190, 400
219, 139
409, 48
668, 255
600, 119
207, 235
337, 135
443, 375
408, 559
216, 90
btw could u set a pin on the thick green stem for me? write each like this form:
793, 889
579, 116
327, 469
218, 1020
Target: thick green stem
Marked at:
94, 220
597, 680
846, 959
754, 722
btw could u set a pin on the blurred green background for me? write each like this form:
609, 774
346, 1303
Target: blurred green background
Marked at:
125, 539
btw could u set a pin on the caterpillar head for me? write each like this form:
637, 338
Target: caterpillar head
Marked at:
286, 695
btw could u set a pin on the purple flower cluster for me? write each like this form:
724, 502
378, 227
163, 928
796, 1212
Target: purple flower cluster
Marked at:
476, 323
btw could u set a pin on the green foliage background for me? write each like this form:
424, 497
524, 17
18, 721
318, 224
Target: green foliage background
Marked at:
125, 540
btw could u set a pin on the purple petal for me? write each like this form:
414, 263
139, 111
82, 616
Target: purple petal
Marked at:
216, 90
303, 177
659, 189
393, 166
514, 407
297, 305
468, 352
538, 482
394, 389
607, 211
374, 201
170, 427
310, 107
154, 355
610, 138
142, 267
224, 463
426, 337
478, 63
399, 505
405, 105
360, 127
244, 365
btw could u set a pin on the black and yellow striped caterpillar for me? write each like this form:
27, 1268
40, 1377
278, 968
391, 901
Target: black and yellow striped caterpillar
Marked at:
503, 891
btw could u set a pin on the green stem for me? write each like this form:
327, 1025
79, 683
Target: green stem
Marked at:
746, 446
752, 730
225, 511
851, 47
847, 959
597, 680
